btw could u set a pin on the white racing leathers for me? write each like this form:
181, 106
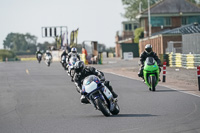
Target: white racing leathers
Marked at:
72, 59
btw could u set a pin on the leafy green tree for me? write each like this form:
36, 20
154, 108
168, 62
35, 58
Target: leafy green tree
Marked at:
139, 33
193, 1
132, 7
45, 46
20, 42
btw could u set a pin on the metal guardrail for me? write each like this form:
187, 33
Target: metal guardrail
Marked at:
188, 61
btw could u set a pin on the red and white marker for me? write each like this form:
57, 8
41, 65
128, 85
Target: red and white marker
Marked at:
164, 71
198, 75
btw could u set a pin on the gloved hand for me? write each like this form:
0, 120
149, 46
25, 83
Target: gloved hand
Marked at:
102, 79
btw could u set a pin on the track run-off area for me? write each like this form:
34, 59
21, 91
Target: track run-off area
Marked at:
35, 98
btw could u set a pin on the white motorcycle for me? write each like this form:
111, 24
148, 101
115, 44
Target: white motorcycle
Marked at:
48, 59
71, 64
99, 95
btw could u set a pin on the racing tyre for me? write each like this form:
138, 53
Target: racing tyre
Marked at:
116, 109
48, 64
102, 107
153, 83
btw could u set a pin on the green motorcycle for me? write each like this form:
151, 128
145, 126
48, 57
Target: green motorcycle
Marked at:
151, 73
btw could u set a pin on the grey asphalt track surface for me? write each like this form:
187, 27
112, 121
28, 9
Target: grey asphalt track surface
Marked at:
35, 98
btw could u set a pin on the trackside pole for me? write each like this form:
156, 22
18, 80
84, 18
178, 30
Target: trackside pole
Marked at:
198, 75
164, 71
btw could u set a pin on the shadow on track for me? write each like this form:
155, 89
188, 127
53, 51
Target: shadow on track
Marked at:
173, 90
133, 115
166, 90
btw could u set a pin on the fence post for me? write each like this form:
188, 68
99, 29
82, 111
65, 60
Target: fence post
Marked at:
164, 71
198, 75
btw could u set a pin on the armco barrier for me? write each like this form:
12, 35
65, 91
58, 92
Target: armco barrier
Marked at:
189, 61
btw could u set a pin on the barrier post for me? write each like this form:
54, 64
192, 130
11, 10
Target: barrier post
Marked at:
164, 71
198, 75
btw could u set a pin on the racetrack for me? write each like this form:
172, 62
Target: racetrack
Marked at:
35, 98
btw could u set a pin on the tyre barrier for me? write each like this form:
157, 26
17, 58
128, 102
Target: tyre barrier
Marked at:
188, 61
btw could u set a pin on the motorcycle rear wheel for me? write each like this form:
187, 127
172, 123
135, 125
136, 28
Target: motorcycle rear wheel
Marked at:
102, 107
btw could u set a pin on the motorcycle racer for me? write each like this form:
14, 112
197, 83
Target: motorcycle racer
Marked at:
73, 53
147, 53
81, 72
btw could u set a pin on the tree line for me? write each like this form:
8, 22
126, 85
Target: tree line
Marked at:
24, 43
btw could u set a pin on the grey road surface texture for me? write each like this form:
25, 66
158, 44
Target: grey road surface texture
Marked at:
35, 98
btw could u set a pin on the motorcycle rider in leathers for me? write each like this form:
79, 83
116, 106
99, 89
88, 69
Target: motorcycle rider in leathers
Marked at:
147, 53
38, 52
73, 53
81, 72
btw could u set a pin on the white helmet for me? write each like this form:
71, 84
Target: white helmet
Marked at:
74, 50
47, 51
148, 48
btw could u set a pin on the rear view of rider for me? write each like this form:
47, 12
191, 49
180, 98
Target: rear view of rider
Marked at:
48, 53
147, 53
38, 52
73, 53
81, 72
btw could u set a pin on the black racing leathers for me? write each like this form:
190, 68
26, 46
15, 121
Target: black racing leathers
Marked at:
36, 54
64, 54
143, 57
79, 77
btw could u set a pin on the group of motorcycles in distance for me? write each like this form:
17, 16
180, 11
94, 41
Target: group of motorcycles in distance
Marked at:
93, 88
47, 58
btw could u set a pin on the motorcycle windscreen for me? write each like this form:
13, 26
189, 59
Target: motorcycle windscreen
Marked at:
89, 83
150, 61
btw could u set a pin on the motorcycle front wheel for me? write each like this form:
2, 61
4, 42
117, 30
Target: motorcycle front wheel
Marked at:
48, 64
116, 109
153, 83
102, 107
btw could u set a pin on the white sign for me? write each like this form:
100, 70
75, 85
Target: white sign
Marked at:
128, 55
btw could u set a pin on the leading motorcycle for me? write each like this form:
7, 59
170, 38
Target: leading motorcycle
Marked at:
99, 95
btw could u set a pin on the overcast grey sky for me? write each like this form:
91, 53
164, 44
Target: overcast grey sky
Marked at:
96, 19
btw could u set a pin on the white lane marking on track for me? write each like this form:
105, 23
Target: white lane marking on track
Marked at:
27, 71
159, 85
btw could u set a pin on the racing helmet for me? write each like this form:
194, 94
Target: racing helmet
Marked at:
78, 67
74, 50
148, 48
47, 51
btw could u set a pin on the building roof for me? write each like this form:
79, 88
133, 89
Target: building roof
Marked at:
173, 6
187, 29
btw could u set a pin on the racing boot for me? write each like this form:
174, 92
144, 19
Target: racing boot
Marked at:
113, 93
84, 99
107, 84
